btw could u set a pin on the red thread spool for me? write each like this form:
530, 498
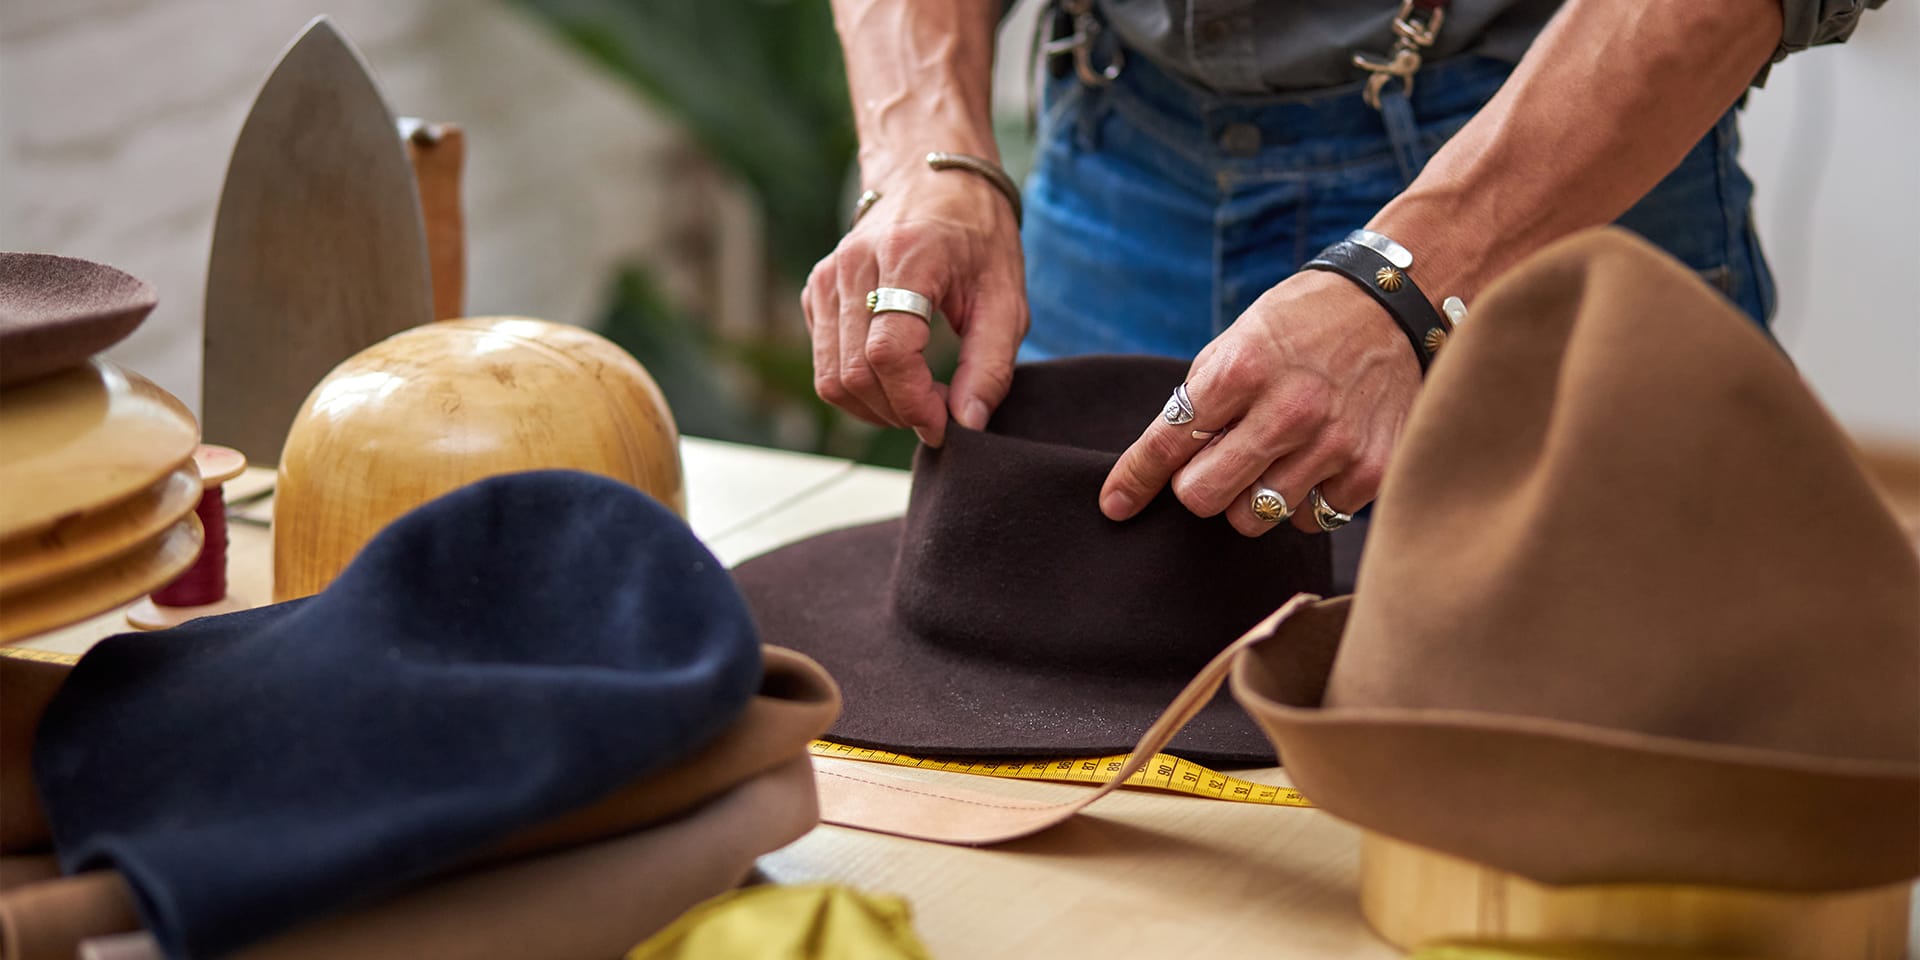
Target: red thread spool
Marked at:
206, 580
202, 590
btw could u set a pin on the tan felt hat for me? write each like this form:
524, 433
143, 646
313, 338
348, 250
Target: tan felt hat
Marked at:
1630, 610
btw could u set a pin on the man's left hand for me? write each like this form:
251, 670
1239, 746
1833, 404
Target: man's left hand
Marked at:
1310, 386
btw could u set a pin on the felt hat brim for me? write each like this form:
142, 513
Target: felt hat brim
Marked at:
1563, 802
831, 598
55, 312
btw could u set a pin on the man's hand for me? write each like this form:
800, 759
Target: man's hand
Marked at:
949, 236
1311, 386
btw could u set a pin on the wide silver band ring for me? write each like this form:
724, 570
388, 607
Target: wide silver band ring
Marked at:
1324, 514
1179, 408
896, 300
1268, 505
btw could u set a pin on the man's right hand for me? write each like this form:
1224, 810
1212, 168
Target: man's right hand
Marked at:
951, 237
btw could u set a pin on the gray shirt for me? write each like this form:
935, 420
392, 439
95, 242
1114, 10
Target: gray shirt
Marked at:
1250, 46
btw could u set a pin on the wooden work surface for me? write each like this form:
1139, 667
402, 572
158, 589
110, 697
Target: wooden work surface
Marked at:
1140, 875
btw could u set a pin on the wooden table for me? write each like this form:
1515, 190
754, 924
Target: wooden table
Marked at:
1143, 874
1140, 875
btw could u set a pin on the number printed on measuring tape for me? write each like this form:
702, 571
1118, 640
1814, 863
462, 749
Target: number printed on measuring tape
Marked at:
1162, 772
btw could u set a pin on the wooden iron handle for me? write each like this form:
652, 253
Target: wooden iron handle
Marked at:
437, 151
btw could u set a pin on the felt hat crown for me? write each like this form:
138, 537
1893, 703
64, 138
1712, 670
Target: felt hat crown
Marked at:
1630, 610
1004, 615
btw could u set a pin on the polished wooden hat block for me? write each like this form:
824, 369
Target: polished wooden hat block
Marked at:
1415, 897
440, 406
97, 488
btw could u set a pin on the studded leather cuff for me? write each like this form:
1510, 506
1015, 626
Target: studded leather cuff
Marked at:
1392, 288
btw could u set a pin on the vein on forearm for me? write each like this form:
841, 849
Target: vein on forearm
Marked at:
1606, 103
920, 75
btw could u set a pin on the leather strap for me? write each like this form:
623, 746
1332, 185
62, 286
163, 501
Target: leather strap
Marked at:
1393, 289
853, 794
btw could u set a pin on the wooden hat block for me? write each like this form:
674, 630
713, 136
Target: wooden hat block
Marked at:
1415, 897
97, 504
432, 409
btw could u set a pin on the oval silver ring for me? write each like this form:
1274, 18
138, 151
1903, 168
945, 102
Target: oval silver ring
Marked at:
1268, 505
1179, 408
896, 300
1324, 514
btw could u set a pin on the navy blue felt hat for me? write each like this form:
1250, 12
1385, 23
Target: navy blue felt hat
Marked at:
507, 653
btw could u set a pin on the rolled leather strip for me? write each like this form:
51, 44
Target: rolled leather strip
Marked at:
47, 920
1395, 290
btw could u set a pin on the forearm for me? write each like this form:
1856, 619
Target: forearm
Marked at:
921, 76
1607, 101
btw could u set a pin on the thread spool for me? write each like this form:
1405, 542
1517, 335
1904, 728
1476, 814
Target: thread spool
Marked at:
202, 590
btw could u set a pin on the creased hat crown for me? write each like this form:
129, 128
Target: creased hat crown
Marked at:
1647, 522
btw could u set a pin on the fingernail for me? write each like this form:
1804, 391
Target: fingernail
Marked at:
926, 436
975, 417
1115, 505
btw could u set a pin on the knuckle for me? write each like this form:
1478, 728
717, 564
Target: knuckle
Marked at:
1196, 494
858, 378
896, 246
1339, 444
830, 389
1310, 401
1365, 478
1135, 473
1247, 526
888, 350
996, 376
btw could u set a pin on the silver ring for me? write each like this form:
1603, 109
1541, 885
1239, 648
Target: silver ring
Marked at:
1179, 408
896, 300
1269, 505
1324, 514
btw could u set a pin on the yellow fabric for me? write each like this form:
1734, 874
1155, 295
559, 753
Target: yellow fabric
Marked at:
1492, 950
821, 922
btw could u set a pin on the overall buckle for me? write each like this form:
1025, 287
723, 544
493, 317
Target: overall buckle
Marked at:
1414, 29
1086, 30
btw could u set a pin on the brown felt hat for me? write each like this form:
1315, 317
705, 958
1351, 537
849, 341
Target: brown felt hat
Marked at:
1630, 611
1005, 616
55, 312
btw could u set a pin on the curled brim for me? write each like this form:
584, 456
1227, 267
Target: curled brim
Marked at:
1570, 803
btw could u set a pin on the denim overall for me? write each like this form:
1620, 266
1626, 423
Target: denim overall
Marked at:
1158, 211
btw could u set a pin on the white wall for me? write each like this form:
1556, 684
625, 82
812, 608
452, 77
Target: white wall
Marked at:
117, 116
1833, 144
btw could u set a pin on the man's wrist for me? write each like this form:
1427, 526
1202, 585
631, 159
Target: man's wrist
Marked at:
1452, 255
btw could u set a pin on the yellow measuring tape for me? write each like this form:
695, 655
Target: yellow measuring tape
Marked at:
1163, 772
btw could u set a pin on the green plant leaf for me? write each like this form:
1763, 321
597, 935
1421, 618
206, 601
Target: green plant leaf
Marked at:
759, 83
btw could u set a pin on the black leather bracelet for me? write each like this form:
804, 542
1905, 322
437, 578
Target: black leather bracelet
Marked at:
1393, 289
